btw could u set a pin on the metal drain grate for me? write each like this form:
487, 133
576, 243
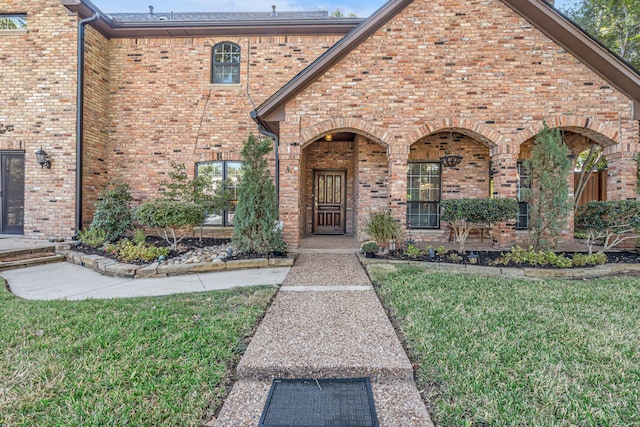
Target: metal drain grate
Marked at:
322, 402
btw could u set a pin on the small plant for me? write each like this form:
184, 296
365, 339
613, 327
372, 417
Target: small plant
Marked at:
126, 250
441, 251
369, 247
583, 260
139, 237
169, 216
454, 257
93, 237
412, 251
113, 211
383, 227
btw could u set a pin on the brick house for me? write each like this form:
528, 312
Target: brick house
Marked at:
361, 110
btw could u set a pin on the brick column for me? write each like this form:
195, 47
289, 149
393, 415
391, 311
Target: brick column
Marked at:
290, 186
504, 160
398, 157
621, 175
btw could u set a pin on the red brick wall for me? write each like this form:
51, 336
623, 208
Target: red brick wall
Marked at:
96, 107
163, 107
38, 79
476, 67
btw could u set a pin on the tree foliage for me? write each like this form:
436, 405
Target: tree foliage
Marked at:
615, 23
463, 215
255, 227
169, 216
611, 222
546, 189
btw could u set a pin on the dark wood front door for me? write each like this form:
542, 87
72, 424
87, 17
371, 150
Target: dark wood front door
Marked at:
12, 193
329, 202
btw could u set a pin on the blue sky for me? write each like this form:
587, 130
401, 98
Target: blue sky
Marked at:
362, 8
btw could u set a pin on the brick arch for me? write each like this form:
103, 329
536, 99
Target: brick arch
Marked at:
345, 124
599, 132
479, 131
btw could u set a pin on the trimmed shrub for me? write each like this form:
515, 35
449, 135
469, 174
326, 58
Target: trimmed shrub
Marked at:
530, 256
611, 222
168, 216
113, 214
93, 237
129, 251
464, 214
369, 246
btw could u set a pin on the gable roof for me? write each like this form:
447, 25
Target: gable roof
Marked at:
539, 13
121, 25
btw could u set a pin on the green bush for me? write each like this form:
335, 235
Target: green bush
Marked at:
530, 256
256, 228
383, 227
93, 237
465, 214
441, 251
611, 222
113, 214
582, 260
168, 216
126, 250
369, 246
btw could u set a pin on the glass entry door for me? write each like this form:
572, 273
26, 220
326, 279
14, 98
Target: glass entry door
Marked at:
12, 193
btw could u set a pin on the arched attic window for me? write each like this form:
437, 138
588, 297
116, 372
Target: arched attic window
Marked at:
225, 67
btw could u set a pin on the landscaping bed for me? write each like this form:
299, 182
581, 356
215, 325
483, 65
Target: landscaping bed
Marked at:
489, 258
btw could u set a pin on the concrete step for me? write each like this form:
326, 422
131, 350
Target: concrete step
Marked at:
397, 403
9, 262
316, 334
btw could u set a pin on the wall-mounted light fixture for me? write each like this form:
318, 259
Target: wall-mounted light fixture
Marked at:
44, 160
328, 137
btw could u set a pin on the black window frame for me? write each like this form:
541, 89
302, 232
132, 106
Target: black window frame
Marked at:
19, 19
229, 212
431, 208
522, 222
225, 61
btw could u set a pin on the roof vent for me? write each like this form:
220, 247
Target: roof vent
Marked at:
273, 11
150, 10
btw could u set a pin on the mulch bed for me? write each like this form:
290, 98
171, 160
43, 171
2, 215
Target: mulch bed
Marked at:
485, 258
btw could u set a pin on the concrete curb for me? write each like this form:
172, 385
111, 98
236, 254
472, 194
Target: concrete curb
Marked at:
515, 273
111, 268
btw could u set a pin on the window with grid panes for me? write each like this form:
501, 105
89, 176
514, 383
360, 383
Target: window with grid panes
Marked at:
523, 207
218, 171
423, 195
226, 64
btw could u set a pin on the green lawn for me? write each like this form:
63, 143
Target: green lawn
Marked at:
502, 352
143, 361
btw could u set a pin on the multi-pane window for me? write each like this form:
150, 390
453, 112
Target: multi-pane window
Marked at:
423, 195
219, 172
523, 207
226, 64
13, 22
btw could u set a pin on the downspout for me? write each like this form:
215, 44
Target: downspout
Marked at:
79, 117
276, 142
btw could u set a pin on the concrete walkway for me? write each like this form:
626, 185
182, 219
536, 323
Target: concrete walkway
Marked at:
326, 322
72, 282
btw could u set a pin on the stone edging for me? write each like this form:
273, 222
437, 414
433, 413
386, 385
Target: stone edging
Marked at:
510, 272
112, 268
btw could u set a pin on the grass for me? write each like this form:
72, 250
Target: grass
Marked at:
496, 352
143, 361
